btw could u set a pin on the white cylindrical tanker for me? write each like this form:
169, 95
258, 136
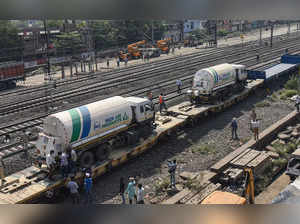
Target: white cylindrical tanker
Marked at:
79, 126
216, 80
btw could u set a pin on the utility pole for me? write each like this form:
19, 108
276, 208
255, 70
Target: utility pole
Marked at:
47, 48
272, 29
260, 34
216, 33
289, 28
152, 33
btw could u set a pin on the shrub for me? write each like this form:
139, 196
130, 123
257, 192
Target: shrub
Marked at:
292, 84
288, 93
263, 104
204, 149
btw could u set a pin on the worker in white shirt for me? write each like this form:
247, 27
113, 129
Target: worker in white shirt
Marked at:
140, 194
73, 161
64, 165
50, 160
255, 128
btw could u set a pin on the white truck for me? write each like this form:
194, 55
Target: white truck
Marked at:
214, 83
93, 129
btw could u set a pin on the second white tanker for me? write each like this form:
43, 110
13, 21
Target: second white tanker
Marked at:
215, 83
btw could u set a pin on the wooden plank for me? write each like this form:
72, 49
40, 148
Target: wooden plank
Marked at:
247, 158
177, 197
259, 163
240, 156
221, 165
198, 198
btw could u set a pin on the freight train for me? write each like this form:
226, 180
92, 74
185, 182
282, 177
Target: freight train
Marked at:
95, 129
213, 84
10, 73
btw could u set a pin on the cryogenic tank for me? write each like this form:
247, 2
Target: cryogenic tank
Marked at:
208, 79
80, 123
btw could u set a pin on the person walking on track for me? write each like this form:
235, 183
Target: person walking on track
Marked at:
255, 128
234, 127
130, 190
107, 63
73, 187
140, 194
178, 84
172, 170
122, 190
162, 103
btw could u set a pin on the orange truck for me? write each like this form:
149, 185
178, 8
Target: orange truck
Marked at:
133, 49
163, 45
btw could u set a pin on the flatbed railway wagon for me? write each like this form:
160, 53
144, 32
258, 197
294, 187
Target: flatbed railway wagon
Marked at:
95, 129
10, 73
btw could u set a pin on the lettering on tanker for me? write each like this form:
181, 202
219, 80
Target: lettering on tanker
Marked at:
111, 121
97, 125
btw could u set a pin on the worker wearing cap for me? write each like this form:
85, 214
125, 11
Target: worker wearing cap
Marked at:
88, 183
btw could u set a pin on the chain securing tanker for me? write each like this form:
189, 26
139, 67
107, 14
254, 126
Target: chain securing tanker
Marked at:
95, 129
215, 83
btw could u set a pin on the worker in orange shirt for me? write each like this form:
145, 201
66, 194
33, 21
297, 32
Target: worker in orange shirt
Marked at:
162, 103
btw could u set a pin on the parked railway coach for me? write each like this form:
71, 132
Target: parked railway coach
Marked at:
94, 129
215, 83
10, 72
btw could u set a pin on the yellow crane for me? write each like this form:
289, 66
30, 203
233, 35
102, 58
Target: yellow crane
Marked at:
221, 197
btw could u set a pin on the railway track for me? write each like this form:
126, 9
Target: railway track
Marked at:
131, 78
133, 67
114, 76
11, 150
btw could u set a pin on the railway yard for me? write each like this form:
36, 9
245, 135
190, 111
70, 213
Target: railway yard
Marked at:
198, 137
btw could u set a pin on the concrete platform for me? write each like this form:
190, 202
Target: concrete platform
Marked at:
273, 190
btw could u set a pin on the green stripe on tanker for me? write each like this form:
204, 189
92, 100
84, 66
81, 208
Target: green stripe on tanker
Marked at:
76, 123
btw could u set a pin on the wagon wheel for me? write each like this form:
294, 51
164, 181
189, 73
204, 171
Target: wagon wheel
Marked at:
103, 152
87, 159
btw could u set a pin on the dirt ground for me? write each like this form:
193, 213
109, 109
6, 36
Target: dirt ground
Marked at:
195, 149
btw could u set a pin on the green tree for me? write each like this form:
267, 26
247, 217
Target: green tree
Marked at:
10, 43
69, 43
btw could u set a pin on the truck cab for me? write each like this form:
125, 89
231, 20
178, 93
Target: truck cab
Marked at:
143, 109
